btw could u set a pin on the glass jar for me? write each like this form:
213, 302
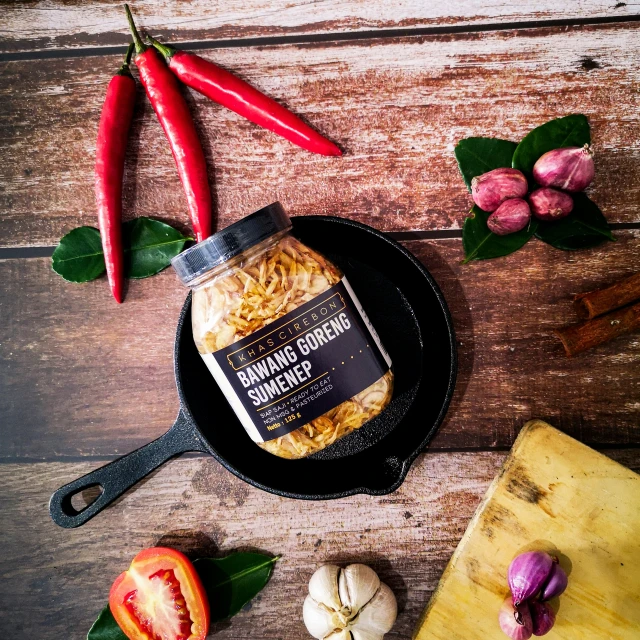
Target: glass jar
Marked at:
284, 336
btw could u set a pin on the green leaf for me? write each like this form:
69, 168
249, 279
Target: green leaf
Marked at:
480, 243
570, 131
149, 246
106, 627
233, 581
78, 257
230, 584
583, 228
476, 156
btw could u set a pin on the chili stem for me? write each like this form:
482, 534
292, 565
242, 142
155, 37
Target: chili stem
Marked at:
140, 46
164, 49
124, 69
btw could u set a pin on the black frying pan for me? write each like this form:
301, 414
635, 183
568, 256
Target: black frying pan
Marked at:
408, 311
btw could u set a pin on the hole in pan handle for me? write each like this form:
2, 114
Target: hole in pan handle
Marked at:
121, 474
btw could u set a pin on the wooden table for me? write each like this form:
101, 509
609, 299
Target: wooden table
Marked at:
84, 380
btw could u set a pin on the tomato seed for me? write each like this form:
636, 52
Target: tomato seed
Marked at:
183, 616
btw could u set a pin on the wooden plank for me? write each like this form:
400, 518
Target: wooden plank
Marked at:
554, 494
398, 107
512, 369
59, 579
63, 24
83, 376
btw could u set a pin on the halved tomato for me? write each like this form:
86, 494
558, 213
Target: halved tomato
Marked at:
160, 597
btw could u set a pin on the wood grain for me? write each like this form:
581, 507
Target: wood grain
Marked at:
55, 581
64, 24
83, 376
397, 107
557, 495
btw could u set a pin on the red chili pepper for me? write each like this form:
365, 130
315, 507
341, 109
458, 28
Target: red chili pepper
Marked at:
113, 132
230, 91
172, 111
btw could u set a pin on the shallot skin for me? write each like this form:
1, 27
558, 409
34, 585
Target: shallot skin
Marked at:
556, 583
515, 621
543, 617
491, 189
528, 573
511, 216
549, 204
569, 168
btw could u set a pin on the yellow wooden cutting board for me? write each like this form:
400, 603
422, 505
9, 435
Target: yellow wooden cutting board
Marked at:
556, 494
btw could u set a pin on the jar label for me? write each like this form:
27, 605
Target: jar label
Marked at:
302, 365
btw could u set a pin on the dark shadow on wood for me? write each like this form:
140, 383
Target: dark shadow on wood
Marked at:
194, 544
453, 293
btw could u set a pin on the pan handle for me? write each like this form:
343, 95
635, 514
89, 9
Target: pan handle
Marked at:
116, 477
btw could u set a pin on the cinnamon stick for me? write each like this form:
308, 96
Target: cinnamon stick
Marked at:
601, 301
580, 337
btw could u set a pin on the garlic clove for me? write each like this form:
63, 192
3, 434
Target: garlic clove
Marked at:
323, 586
343, 634
377, 617
527, 574
510, 217
357, 634
515, 621
550, 204
556, 583
569, 168
319, 620
491, 189
357, 584
543, 617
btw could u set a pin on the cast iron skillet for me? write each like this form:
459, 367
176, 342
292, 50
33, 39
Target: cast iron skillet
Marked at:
410, 314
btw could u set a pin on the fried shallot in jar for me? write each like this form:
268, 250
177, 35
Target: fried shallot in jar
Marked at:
284, 336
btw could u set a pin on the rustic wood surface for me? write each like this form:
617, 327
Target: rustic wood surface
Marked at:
60, 24
397, 107
58, 580
86, 377
83, 380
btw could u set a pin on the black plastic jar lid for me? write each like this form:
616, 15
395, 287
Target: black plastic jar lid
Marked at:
230, 242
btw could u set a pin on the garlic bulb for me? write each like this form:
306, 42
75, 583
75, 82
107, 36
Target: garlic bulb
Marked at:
348, 604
